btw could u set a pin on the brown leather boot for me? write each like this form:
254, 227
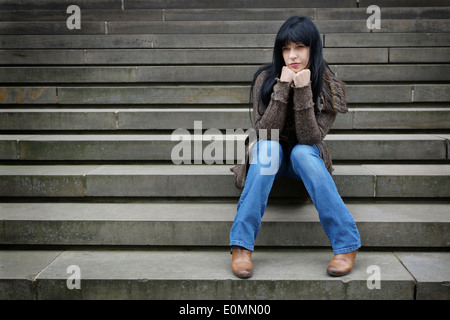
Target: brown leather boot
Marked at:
241, 262
341, 264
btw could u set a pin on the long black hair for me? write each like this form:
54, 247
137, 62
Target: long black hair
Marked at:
298, 30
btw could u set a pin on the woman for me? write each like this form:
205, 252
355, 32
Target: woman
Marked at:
295, 102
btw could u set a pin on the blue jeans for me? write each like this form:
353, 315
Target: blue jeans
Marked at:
302, 162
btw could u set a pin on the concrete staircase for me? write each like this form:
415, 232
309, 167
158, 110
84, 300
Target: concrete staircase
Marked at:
86, 177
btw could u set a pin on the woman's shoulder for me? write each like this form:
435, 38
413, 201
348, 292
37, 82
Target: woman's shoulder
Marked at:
260, 75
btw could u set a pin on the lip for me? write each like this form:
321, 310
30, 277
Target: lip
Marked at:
295, 65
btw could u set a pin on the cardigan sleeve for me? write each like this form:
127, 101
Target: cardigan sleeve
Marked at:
309, 128
275, 114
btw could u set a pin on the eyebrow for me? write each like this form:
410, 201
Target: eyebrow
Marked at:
296, 43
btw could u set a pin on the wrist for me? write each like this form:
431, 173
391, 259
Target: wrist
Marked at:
301, 84
286, 79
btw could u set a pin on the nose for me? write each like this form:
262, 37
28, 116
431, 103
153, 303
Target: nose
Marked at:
292, 54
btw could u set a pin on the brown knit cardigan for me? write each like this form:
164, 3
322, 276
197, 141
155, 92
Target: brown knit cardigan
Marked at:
292, 110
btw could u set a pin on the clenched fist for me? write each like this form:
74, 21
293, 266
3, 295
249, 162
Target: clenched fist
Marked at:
287, 75
302, 78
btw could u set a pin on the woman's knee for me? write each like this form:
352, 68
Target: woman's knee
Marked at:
268, 155
307, 159
302, 152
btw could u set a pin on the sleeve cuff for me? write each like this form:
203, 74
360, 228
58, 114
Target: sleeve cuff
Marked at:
281, 91
303, 97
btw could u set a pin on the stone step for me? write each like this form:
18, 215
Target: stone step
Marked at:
214, 146
416, 55
205, 94
216, 27
139, 4
202, 4
206, 181
201, 56
214, 56
59, 5
220, 118
213, 73
383, 224
405, 3
225, 14
375, 40
206, 274
396, 12
141, 41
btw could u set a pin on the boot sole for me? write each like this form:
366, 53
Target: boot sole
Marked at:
337, 274
243, 276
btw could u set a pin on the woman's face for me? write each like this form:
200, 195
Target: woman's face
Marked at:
296, 56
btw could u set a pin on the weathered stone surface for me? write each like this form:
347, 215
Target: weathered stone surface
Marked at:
59, 5
8, 147
213, 40
68, 74
193, 56
405, 3
386, 147
221, 118
227, 94
150, 277
45, 57
266, 27
196, 223
400, 13
57, 119
387, 40
18, 270
215, 74
236, 14
211, 181
411, 180
27, 95
228, 147
356, 55
379, 93
419, 55
43, 181
76, 41
50, 27
172, 4
110, 14
431, 272
431, 93
401, 118
391, 72
226, 14
186, 95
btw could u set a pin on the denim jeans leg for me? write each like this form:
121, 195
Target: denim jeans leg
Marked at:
267, 159
334, 216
